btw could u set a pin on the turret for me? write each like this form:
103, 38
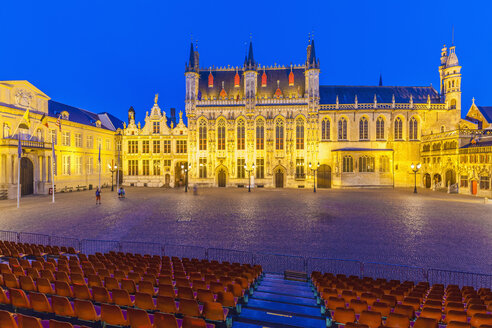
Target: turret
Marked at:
250, 74
192, 74
131, 116
450, 73
312, 72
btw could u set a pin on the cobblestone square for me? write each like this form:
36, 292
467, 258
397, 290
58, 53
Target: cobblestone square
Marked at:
430, 229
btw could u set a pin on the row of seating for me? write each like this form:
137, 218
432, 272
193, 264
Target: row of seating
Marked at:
14, 249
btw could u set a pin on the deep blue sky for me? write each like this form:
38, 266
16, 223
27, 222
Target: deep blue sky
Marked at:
110, 55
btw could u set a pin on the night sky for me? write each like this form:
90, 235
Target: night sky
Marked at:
110, 55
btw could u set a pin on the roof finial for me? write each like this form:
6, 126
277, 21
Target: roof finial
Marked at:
156, 98
309, 37
473, 101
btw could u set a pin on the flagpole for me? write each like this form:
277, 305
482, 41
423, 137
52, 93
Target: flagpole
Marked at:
118, 172
53, 159
18, 171
99, 167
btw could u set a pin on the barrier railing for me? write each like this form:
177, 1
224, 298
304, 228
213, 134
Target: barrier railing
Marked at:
273, 263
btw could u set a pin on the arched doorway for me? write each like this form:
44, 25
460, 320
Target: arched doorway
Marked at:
324, 176
279, 178
221, 178
450, 178
437, 180
26, 176
427, 180
167, 180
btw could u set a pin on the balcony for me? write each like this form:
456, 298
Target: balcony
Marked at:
10, 142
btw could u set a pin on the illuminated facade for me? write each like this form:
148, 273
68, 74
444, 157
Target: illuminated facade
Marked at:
76, 142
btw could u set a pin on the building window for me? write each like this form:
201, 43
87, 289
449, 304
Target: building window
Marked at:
260, 134
133, 167
366, 164
221, 135
133, 146
325, 129
156, 127
78, 165
413, 129
363, 129
90, 142
484, 182
108, 144
380, 128
384, 164
181, 147
202, 135
53, 136
157, 167
279, 134
156, 146
66, 138
167, 146
78, 140
464, 181
167, 163
145, 147
299, 134
398, 129
145, 167
342, 129
240, 168
453, 103
348, 164
260, 168
300, 168
240, 134
202, 168
90, 165
66, 165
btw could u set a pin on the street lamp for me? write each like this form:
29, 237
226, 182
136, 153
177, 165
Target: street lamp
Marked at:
112, 169
415, 169
249, 175
314, 174
186, 169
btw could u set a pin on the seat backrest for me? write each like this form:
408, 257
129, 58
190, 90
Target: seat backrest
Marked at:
112, 315
26, 321
422, 322
84, 310
19, 298
138, 318
186, 292
189, 307
145, 286
128, 285
26, 283
81, 291
343, 315
189, 322
370, 318
62, 288
204, 295
62, 276
61, 306
166, 290
164, 320
7, 320
144, 301
213, 311
44, 286
481, 319
94, 280
100, 294
166, 304
121, 297
60, 324
226, 299
40, 303
396, 320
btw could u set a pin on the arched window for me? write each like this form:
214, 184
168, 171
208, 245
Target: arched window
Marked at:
240, 134
453, 103
363, 129
325, 129
279, 134
260, 134
366, 164
384, 164
299, 133
348, 164
380, 128
39, 135
398, 129
202, 135
413, 129
342, 129
221, 135
452, 83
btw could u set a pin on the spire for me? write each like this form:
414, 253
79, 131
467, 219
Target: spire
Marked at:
250, 63
380, 79
312, 61
191, 66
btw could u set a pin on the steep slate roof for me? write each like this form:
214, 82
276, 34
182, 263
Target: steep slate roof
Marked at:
384, 94
486, 112
83, 116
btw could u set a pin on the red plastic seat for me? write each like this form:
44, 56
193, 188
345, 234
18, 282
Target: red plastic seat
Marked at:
26, 321
112, 315
84, 310
7, 320
164, 320
138, 318
61, 306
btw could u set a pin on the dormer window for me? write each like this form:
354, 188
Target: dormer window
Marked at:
156, 127
64, 115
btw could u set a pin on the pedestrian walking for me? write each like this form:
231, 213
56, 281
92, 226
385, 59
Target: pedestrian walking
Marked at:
121, 192
195, 189
98, 196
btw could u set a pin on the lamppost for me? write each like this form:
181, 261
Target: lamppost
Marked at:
415, 169
249, 175
112, 169
314, 174
186, 169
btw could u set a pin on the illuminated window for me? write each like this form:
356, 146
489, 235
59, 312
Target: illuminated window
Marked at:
260, 168
325, 129
90, 141
66, 165
398, 129
145, 167
108, 144
260, 134
53, 136
167, 163
342, 129
181, 146
363, 129
202, 168
279, 134
202, 135
133, 146
145, 147
167, 146
241, 172
133, 167
90, 165
484, 182
413, 129
348, 164
221, 144
380, 128
384, 164
156, 167
299, 134
156, 127
66, 138
240, 134
300, 168
78, 165
156, 146
464, 181
366, 164
453, 104
78, 140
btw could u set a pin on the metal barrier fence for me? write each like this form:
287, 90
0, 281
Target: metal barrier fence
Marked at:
273, 263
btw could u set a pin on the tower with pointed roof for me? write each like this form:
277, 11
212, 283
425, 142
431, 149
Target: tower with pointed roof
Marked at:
250, 75
192, 75
312, 73
450, 76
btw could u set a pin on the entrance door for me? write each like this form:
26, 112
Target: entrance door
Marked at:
474, 187
324, 176
222, 178
450, 177
279, 179
167, 180
26, 177
427, 180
